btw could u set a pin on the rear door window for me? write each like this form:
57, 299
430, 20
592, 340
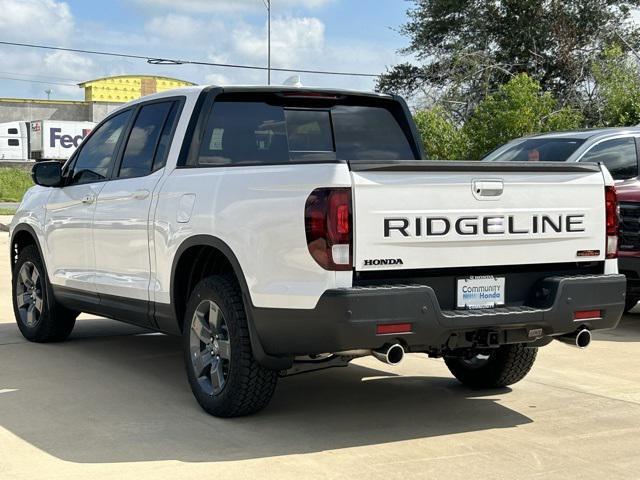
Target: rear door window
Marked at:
140, 150
618, 155
160, 158
259, 132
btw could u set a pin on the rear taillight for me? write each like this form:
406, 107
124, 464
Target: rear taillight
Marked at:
612, 214
329, 228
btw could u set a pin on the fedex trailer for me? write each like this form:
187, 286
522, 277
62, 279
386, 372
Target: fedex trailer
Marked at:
57, 139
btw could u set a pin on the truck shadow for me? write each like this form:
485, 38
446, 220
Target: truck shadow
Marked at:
628, 330
123, 397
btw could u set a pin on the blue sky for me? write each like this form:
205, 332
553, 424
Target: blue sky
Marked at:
344, 35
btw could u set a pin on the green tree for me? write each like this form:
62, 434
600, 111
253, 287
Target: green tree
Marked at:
441, 137
465, 49
517, 109
617, 79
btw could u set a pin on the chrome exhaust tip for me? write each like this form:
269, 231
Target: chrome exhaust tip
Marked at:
580, 339
391, 355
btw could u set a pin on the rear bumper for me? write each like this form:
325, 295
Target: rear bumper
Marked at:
346, 319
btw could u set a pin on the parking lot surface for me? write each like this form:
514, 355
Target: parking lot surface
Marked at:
113, 402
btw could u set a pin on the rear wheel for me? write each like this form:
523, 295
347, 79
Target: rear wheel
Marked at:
39, 317
224, 376
503, 366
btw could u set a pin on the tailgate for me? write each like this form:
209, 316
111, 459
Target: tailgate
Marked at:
414, 215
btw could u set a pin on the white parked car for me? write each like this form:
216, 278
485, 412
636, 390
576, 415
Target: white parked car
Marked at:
283, 229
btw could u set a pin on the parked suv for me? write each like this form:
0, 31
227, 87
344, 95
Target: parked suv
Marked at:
282, 230
617, 149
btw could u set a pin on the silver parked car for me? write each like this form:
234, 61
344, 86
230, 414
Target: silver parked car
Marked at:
617, 148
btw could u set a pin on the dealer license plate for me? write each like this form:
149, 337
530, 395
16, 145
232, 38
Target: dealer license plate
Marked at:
480, 292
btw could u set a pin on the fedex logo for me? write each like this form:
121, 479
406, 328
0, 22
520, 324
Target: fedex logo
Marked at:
66, 141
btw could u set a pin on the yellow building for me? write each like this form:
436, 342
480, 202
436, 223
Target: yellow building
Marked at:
123, 88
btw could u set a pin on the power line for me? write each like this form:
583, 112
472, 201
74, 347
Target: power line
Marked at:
46, 77
171, 61
39, 81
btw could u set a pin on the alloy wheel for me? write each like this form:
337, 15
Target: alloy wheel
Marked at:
210, 348
29, 294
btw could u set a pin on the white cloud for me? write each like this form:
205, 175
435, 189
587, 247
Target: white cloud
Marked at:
178, 27
292, 40
35, 20
218, 79
41, 21
227, 6
68, 64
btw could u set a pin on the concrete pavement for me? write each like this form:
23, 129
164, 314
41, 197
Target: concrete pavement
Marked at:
113, 402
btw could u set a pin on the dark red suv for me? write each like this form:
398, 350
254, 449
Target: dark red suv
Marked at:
629, 240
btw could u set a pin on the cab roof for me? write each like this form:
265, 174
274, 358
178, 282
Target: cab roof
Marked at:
284, 89
588, 133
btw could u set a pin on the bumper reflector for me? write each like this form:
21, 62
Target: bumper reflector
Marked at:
388, 328
587, 314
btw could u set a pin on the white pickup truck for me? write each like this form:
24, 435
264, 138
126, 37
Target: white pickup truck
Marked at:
282, 230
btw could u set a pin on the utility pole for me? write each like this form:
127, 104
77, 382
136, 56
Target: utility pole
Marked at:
48, 91
268, 42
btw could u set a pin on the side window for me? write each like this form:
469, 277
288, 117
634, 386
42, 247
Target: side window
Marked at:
14, 142
244, 132
98, 152
13, 131
140, 150
160, 158
618, 155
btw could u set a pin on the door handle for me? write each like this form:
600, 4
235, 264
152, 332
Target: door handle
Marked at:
141, 194
488, 188
88, 199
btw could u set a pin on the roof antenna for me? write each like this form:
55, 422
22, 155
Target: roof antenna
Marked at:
293, 81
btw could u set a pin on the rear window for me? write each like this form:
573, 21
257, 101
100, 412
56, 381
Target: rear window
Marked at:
309, 130
369, 133
536, 150
258, 132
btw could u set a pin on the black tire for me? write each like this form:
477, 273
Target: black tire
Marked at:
506, 365
242, 386
48, 321
630, 303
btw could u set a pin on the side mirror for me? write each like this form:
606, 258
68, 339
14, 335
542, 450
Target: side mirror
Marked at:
47, 174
